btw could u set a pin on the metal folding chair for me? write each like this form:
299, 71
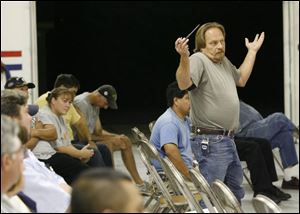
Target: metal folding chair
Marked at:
210, 199
171, 183
138, 136
263, 204
165, 201
173, 174
226, 197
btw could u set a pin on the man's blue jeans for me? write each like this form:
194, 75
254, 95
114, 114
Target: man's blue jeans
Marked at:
278, 129
221, 162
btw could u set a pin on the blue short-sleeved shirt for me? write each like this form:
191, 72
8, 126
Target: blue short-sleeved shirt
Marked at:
169, 128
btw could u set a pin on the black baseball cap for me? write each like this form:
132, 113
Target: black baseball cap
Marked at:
16, 82
109, 92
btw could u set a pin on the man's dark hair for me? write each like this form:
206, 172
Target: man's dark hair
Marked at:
173, 91
98, 189
11, 102
66, 80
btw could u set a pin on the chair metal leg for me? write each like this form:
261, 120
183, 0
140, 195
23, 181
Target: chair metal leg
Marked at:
156, 207
276, 158
149, 200
245, 173
247, 178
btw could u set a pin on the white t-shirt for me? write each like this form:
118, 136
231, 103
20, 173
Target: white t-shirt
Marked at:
90, 112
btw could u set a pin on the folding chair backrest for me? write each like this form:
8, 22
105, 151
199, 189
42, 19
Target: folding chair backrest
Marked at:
226, 197
138, 135
173, 174
263, 204
154, 156
151, 124
146, 158
207, 194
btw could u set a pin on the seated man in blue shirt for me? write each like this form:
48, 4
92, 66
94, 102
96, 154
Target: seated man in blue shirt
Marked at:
171, 132
278, 130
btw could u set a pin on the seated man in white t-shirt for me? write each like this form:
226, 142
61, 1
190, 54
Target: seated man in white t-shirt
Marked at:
89, 104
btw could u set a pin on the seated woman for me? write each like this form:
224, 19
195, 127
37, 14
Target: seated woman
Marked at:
60, 154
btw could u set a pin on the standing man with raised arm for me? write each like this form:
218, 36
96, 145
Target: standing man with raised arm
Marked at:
212, 79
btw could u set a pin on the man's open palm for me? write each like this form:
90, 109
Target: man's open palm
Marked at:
257, 42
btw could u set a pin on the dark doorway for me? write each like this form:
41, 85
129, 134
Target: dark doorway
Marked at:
131, 46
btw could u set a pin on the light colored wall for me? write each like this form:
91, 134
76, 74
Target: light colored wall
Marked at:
291, 59
18, 33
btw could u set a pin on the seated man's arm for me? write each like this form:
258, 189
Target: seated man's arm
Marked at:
83, 130
45, 132
99, 129
174, 155
82, 127
99, 133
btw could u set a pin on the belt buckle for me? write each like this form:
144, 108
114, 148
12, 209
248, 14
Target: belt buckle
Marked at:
198, 130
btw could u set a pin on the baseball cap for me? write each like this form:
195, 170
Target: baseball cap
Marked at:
33, 109
16, 82
109, 92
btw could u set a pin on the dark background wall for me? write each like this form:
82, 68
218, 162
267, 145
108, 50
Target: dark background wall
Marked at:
131, 46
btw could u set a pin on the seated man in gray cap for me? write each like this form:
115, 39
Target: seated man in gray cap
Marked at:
89, 105
18, 83
38, 130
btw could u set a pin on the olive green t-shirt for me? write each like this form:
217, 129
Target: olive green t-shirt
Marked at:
214, 101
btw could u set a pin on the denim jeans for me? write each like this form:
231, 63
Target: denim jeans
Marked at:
220, 161
278, 129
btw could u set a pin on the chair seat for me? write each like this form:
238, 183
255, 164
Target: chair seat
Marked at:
178, 199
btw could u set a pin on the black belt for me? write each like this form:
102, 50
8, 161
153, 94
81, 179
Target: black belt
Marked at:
200, 130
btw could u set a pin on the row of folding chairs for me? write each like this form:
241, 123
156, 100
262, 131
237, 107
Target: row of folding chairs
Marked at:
177, 197
166, 200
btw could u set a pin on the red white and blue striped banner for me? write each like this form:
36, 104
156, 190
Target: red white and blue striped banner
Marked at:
15, 54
